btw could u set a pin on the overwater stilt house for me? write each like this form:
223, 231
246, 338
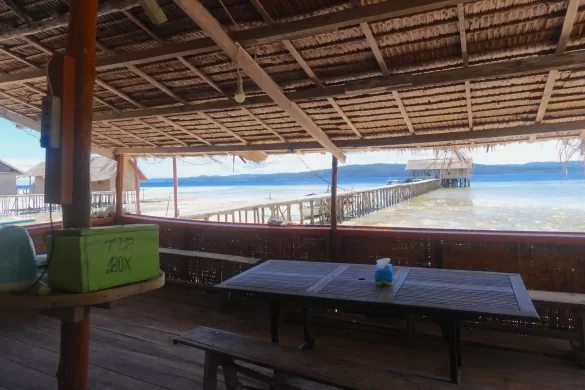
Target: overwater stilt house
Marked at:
8, 176
453, 172
167, 78
102, 172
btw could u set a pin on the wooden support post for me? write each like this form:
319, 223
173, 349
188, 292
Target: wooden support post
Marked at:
120, 186
301, 216
175, 188
333, 218
137, 186
81, 41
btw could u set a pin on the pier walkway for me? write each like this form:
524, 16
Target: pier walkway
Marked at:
317, 209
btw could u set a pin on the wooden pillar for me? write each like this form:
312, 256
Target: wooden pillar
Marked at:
81, 43
137, 186
175, 187
333, 229
120, 186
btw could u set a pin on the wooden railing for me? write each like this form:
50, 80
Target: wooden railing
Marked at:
35, 203
546, 261
317, 209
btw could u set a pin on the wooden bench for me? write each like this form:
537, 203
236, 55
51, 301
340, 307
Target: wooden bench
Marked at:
224, 349
227, 266
203, 270
576, 302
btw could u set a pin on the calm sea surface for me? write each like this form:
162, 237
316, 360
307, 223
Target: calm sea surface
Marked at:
540, 202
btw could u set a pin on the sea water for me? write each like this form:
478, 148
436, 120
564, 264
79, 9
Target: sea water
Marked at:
537, 202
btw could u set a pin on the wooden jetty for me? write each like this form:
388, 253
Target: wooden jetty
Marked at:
35, 203
317, 209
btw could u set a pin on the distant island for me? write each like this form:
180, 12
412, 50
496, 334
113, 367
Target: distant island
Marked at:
369, 171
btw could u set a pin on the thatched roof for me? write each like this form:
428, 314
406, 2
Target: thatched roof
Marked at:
438, 164
10, 168
370, 73
101, 169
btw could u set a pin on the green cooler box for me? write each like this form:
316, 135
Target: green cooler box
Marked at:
98, 258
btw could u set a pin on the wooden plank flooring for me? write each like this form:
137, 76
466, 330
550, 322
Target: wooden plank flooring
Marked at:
131, 348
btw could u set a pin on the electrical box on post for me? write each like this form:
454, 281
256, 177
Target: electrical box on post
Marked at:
51, 122
58, 130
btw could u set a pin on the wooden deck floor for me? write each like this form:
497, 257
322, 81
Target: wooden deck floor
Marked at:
131, 348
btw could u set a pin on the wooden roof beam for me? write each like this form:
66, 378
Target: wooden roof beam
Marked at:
156, 130
403, 111
568, 23
183, 129
263, 123
304, 65
375, 48
530, 65
17, 11
406, 141
128, 133
384, 68
200, 15
62, 20
223, 127
465, 59
469, 107
261, 35
200, 74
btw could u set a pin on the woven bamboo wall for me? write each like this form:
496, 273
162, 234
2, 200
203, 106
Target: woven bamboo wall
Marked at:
552, 261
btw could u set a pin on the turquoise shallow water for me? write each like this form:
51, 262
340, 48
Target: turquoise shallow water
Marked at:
549, 205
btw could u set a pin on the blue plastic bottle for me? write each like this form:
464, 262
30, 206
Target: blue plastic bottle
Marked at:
383, 275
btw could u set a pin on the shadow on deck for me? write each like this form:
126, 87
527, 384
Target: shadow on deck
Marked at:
131, 348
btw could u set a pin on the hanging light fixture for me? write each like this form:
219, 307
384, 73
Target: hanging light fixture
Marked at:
240, 95
154, 12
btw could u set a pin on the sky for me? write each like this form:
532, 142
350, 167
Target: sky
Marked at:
20, 147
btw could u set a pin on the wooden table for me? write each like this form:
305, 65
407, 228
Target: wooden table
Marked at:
447, 296
73, 311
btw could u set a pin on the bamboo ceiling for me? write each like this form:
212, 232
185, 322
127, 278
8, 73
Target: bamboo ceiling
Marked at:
370, 74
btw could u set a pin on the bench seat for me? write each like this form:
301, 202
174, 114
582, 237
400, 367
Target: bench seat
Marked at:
224, 349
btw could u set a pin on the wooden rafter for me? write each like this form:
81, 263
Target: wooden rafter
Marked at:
468, 101
403, 111
19, 100
263, 123
156, 130
567, 61
305, 66
62, 20
546, 94
223, 127
462, 33
373, 43
128, 133
375, 48
197, 72
344, 116
201, 16
465, 59
184, 129
402, 141
17, 11
568, 23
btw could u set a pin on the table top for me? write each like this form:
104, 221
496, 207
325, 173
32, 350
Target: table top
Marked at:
65, 300
426, 290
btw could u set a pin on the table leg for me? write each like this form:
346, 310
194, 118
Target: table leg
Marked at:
274, 319
308, 337
452, 334
73, 368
